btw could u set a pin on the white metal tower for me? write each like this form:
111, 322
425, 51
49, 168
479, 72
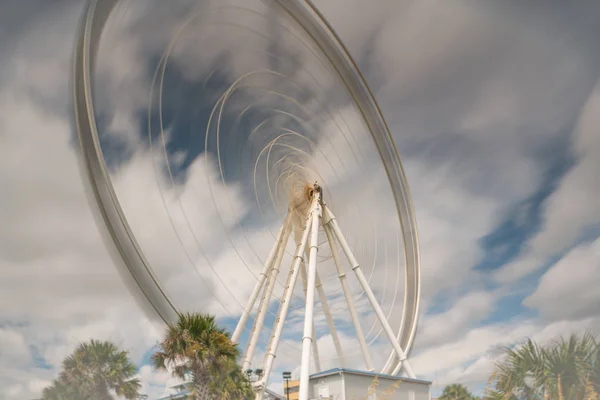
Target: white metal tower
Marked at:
318, 215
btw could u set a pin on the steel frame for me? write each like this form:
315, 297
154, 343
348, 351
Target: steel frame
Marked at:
319, 215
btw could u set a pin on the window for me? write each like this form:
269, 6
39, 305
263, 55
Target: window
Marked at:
323, 391
293, 389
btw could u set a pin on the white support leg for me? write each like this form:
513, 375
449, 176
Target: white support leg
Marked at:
398, 367
370, 295
390, 363
265, 300
393, 364
283, 307
315, 349
347, 294
261, 280
330, 323
310, 298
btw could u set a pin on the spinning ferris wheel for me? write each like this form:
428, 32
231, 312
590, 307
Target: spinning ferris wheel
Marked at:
263, 97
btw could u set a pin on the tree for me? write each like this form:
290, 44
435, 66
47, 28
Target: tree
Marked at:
456, 391
232, 383
595, 370
60, 390
195, 345
566, 369
95, 370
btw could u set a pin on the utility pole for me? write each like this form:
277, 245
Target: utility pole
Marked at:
286, 377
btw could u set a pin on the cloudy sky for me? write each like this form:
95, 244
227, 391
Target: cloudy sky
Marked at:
494, 108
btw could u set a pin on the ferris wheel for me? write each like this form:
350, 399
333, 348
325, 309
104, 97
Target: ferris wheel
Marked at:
263, 98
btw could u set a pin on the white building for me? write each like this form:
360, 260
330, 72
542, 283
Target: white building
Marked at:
270, 395
176, 388
337, 384
348, 384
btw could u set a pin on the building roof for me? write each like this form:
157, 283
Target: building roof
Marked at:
181, 395
273, 394
185, 394
347, 371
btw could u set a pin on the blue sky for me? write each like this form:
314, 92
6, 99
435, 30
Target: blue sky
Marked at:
494, 109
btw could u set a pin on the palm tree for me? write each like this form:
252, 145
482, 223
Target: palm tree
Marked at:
456, 391
196, 345
569, 367
95, 370
60, 390
523, 372
492, 394
232, 384
595, 370
563, 370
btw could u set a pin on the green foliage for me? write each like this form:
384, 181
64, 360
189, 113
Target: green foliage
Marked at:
95, 370
196, 345
60, 390
566, 369
456, 391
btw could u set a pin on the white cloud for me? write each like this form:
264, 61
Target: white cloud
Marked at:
467, 124
171, 224
569, 289
464, 313
471, 359
571, 209
457, 111
13, 347
14, 390
59, 286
